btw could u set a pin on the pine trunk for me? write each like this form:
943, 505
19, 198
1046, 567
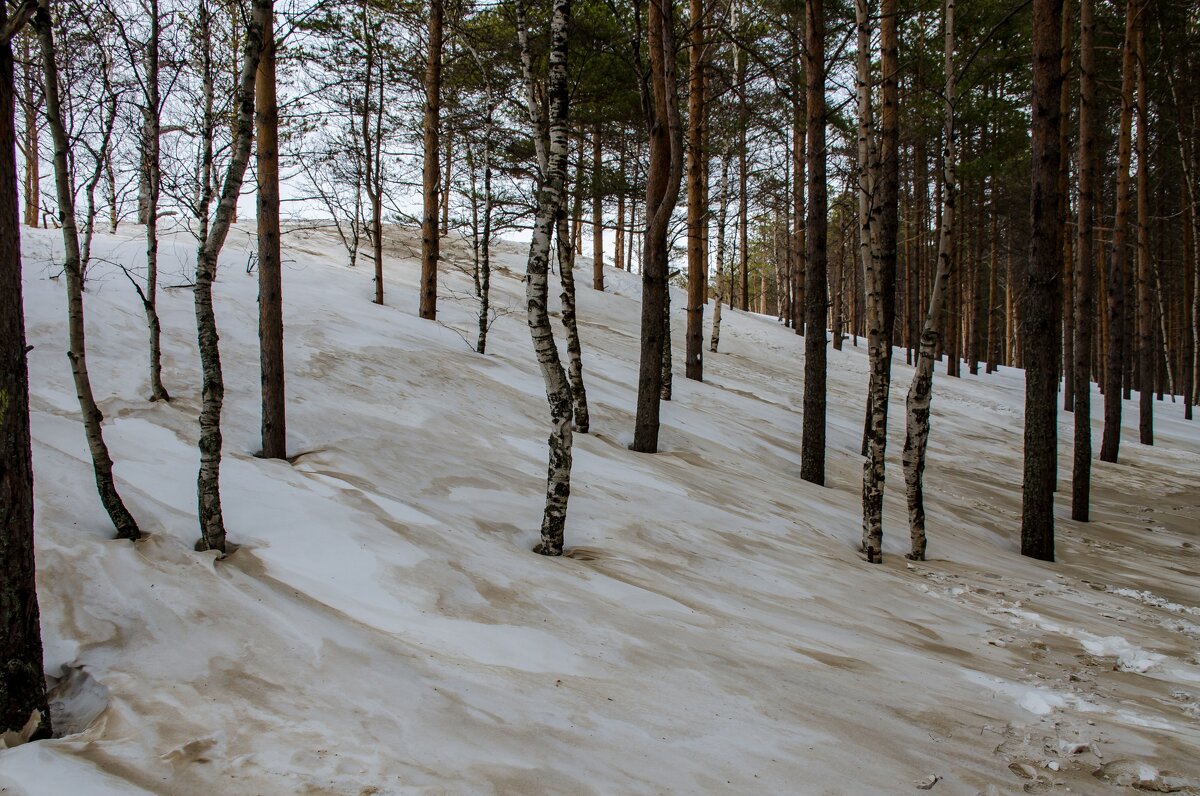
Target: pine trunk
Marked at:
1041, 290
1146, 353
1081, 473
597, 213
697, 225
1116, 277
270, 281
812, 450
429, 216
662, 193
23, 707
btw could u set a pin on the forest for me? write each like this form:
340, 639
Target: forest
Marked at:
800, 261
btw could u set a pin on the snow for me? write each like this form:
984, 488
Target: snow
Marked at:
384, 628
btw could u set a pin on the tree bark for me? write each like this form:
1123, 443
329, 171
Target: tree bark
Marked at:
429, 217
102, 463
619, 242
485, 260
597, 212
550, 193
153, 171
920, 392
1146, 353
812, 450
566, 270
1041, 290
270, 280
722, 216
23, 707
665, 129
208, 482
1114, 367
878, 209
1082, 463
697, 212
33, 181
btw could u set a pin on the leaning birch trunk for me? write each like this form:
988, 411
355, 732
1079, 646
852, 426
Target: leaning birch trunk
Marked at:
566, 270
553, 178
92, 418
208, 486
920, 394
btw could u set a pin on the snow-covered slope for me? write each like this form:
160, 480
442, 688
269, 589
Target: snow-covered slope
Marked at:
384, 628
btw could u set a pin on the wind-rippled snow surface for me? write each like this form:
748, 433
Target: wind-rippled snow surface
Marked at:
384, 628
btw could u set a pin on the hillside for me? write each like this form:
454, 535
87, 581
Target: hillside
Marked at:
384, 628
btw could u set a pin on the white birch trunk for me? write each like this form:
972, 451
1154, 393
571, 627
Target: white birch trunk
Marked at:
920, 394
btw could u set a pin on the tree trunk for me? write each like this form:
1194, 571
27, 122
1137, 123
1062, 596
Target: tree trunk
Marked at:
597, 212
33, 180
125, 525
1146, 353
212, 521
566, 270
153, 171
447, 172
1115, 365
697, 212
722, 216
550, 193
270, 281
812, 454
429, 217
798, 217
619, 242
878, 221
23, 707
1081, 473
1066, 243
920, 392
1041, 290
485, 261
665, 129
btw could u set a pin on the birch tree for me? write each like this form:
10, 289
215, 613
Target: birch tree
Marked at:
212, 520
102, 464
550, 192
920, 392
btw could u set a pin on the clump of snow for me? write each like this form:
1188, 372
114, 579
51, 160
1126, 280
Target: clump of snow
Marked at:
1040, 701
1129, 657
1150, 598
